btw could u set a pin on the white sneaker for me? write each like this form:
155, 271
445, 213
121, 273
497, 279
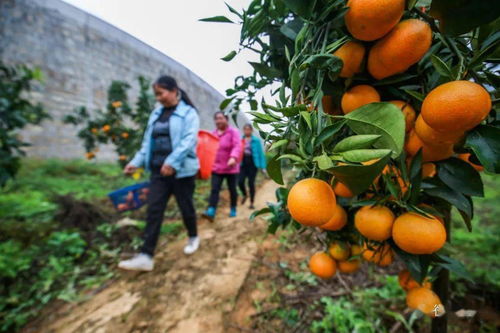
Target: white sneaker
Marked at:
192, 245
141, 262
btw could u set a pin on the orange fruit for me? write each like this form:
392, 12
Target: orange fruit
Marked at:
371, 19
358, 96
356, 250
466, 157
322, 265
94, 130
89, 155
311, 202
428, 170
375, 223
381, 255
125, 135
401, 48
339, 251
106, 128
430, 136
352, 54
456, 106
337, 221
426, 301
408, 112
342, 190
122, 157
430, 153
407, 282
417, 234
349, 266
116, 104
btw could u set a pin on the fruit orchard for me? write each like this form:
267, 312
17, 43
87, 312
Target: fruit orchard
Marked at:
387, 111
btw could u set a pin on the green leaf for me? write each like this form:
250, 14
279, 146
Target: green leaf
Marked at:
328, 132
415, 94
359, 177
460, 176
274, 168
363, 155
295, 81
436, 188
301, 7
264, 116
484, 140
356, 142
224, 104
266, 71
324, 162
307, 117
418, 265
457, 17
293, 157
259, 212
384, 119
453, 266
219, 19
278, 144
229, 56
441, 67
292, 28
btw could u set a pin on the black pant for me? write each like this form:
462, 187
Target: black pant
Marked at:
217, 179
248, 171
161, 188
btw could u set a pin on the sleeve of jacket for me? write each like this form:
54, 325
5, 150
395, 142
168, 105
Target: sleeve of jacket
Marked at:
236, 144
262, 155
188, 140
140, 157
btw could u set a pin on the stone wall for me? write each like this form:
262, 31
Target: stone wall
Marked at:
80, 55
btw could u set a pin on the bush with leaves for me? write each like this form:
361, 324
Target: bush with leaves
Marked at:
119, 125
16, 111
337, 117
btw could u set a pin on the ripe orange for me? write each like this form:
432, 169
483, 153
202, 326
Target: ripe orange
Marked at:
381, 255
371, 19
417, 234
466, 158
339, 251
375, 222
426, 301
90, 155
125, 135
311, 202
404, 46
456, 106
337, 221
358, 96
430, 153
352, 54
116, 104
106, 128
408, 112
430, 136
94, 130
428, 170
342, 190
349, 266
407, 282
122, 157
322, 265
356, 250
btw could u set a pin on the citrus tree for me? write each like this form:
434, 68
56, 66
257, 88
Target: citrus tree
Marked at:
16, 112
387, 111
119, 125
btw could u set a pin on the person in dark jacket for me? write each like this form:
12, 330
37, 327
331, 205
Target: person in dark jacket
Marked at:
168, 150
253, 160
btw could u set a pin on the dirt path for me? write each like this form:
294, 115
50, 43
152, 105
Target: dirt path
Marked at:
184, 293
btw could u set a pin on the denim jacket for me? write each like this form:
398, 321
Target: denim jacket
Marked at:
184, 126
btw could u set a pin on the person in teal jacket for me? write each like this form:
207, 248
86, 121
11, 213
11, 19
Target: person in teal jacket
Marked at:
168, 151
253, 160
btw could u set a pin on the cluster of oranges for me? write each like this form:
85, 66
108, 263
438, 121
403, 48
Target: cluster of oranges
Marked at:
313, 202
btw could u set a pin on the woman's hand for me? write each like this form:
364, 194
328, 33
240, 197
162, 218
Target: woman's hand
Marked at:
231, 162
129, 169
167, 170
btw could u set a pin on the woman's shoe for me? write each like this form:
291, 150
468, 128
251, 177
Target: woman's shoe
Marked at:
252, 206
141, 262
232, 213
244, 199
192, 245
209, 214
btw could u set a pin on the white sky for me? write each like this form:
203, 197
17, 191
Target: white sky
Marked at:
173, 28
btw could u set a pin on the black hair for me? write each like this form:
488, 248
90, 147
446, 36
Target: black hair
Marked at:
248, 125
222, 113
169, 83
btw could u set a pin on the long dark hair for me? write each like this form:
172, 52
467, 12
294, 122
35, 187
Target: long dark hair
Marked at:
169, 83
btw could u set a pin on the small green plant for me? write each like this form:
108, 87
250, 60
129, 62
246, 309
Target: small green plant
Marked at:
119, 125
16, 111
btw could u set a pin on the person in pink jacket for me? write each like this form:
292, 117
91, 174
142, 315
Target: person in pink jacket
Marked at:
227, 164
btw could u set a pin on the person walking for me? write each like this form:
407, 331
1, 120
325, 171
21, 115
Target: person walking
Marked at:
226, 166
168, 150
253, 160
